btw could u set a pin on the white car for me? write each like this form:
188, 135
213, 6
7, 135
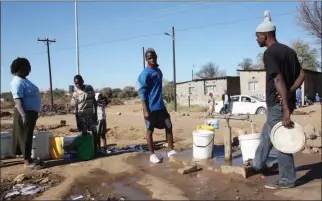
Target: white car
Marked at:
243, 104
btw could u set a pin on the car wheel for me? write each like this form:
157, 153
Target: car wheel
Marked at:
222, 111
261, 111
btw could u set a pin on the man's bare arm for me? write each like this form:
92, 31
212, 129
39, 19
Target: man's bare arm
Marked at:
298, 82
281, 89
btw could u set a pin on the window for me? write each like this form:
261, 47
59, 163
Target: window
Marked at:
191, 89
252, 85
245, 99
210, 88
234, 99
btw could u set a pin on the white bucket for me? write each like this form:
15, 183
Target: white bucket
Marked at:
248, 144
41, 145
203, 144
6, 140
214, 123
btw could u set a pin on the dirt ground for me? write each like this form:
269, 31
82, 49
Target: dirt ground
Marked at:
131, 177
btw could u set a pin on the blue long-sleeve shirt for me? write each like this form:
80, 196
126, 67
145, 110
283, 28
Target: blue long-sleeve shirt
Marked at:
150, 81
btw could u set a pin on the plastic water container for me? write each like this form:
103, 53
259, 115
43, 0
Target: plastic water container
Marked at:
41, 145
214, 123
205, 127
6, 140
248, 144
60, 146
203, 144
56, 148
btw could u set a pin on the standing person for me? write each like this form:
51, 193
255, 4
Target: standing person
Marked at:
154, 110
101, 118
317, 98
86, 109
226, 100
283, 77
27, 106
211, 105
299, 96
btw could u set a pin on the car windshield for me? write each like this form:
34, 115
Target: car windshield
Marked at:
258, 99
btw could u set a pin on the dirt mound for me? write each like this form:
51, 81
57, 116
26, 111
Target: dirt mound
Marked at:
6, 127
40, 179
6, 114
116, 101
58, 109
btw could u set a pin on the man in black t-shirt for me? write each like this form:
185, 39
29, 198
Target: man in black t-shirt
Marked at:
283, 77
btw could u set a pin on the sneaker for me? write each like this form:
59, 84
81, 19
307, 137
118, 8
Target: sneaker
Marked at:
276, 185
171, 153
154, 159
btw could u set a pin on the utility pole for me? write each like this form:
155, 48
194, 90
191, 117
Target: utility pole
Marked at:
174, 66
174, 69
192, 72
76, 37
143, 55
47, 42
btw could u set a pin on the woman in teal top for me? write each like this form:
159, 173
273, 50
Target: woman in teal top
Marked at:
27, 106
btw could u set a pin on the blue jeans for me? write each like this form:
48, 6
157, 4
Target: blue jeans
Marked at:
285, 161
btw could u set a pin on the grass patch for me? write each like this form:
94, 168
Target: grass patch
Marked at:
181, 108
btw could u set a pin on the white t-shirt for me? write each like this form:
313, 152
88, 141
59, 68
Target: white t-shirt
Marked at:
226, 99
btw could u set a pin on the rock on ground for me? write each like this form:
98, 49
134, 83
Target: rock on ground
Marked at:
317, 143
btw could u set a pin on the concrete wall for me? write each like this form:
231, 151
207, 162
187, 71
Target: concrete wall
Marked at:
201, 89
312, 84
251, 76
233, 86
197, 95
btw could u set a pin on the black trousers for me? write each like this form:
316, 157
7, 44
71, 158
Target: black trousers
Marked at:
22, 135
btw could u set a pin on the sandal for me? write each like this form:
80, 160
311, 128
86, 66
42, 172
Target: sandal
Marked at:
36, 165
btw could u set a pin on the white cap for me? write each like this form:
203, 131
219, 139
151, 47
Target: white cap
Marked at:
266, 25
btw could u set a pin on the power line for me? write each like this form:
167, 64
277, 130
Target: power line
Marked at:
182, 30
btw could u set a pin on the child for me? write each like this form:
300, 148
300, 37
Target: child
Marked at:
86, 109
101, 120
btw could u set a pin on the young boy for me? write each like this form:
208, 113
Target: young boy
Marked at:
154, 111
101, 118
86, 109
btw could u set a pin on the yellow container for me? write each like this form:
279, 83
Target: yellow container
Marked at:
206, 127
56, 147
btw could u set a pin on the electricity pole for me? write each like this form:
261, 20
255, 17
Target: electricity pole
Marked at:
143, 54
76, 37
47, 42
174, 66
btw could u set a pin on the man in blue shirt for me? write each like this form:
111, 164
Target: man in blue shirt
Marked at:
154, 110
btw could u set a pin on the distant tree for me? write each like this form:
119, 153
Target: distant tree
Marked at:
7, 97
131, 91
246, 64
107, 91
168, 91
307, 56
259, 61
58, 93
116, 92
210, 70
310, 18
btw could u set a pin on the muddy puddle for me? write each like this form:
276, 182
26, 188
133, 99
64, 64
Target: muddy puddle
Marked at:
100, 185
204, 185
28, 186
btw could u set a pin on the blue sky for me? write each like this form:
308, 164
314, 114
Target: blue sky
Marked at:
117, 64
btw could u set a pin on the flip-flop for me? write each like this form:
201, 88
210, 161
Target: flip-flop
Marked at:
35, 165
